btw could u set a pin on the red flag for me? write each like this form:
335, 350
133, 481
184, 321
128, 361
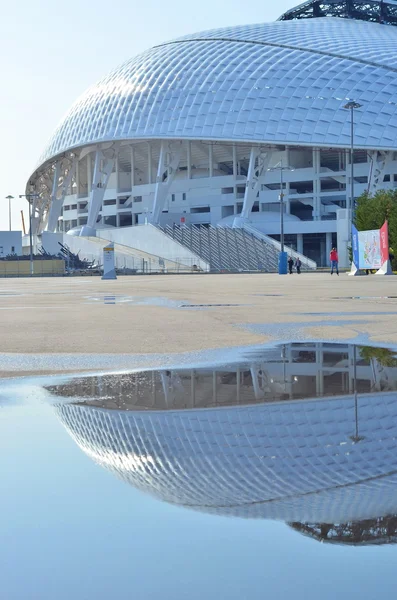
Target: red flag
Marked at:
384, 243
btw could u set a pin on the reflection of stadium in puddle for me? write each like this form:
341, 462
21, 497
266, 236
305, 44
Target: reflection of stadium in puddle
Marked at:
304, 433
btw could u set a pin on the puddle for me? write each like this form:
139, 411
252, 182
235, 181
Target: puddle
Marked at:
207, 305
349, 314
298, 330
136, 301
150, 301
9, 294
364, 297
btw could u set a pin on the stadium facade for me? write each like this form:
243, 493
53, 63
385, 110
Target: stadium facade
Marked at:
198, 130
238, 441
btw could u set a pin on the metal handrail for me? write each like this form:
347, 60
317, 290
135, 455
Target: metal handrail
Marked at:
308, 262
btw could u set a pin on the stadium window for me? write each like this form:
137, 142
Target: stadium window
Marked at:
228, 190
109, 202
137, 198
172, 197
200, 209
73, 207
67, 207
183, 196
12, 248
125, 220
110, 221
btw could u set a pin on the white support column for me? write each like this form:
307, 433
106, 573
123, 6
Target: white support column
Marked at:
117, 169
77, 176
211, 160
189, 159
316, 185
103, 167
149, 162
257, 382
380, 161
169, 159
59, 192
348, 181
38, 205
234, 162
132, 167
328, 245
89, 173
287, 199
165, 377
56, 203
299, 243
252, 184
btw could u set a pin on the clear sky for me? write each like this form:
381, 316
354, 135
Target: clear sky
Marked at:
51, 52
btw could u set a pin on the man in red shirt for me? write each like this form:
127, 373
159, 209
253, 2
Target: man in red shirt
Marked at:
333, 257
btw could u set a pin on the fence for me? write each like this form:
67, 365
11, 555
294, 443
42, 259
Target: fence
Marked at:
41, 267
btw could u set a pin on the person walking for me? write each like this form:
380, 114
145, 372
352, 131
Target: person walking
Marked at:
333, 257
298, 265
290, 264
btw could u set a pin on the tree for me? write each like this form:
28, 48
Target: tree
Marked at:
373, 211
384, 356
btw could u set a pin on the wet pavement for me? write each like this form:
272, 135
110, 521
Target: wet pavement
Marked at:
208, 475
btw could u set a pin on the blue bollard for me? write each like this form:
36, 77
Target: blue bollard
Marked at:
282, 263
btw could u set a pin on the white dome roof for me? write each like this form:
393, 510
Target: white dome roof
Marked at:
293, 461
282, 82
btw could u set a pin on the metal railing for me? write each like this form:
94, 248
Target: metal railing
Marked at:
307, 263
226, 248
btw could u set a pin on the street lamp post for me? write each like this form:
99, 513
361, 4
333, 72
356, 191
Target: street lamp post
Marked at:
352, 105
282, 259
30, 198
9, 198
356, 437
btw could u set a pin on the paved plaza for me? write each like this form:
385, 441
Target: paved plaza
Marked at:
152, 315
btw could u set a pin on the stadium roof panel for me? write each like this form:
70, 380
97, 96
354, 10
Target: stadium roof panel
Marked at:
258, 83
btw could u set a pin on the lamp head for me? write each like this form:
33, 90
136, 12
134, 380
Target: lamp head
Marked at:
352, 104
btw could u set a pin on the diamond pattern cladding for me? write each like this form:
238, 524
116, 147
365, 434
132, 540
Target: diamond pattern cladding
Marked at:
282, 82
289, 461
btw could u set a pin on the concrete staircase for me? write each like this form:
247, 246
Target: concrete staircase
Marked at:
231, 249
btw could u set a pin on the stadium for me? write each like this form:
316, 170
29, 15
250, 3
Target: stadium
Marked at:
193, 144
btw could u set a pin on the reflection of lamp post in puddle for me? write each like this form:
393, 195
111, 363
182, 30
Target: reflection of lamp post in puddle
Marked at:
356, 437
284, 370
